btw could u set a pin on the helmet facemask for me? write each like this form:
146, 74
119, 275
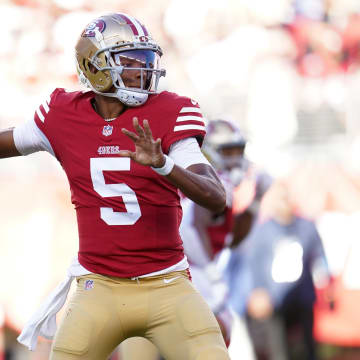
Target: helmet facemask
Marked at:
134, 73
232, 155
234, 161
224, 146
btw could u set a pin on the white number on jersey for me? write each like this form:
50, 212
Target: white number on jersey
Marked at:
133, 212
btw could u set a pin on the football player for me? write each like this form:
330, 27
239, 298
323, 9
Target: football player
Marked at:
206, 233
226, 144
126, 150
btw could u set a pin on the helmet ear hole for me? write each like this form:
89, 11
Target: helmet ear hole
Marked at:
88, 66
92, 68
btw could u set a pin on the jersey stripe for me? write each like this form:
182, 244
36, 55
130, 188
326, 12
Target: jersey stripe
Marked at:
189, 117
190, 109
40, 115
189, 127
43, 109
46, 106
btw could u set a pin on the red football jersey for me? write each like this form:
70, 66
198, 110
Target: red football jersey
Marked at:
128, 215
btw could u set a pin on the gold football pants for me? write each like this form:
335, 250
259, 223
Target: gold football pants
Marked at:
165, 309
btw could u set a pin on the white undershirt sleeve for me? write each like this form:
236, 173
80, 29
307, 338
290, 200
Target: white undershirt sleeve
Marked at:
28, 138
186, 152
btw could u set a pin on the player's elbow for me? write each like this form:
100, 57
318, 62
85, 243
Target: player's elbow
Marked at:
220, 206
217, 201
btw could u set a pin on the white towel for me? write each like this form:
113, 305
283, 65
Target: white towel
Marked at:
43, 322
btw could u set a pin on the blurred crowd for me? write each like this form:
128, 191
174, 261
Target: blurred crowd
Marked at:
287, 73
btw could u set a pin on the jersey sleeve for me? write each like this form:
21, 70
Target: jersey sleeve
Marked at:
46, 117
28, 139
186, 152
186, 121
32, 136
45, 109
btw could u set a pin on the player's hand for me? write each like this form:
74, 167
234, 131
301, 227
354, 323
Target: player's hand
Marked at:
147, 150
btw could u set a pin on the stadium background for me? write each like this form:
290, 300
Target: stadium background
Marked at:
286, 71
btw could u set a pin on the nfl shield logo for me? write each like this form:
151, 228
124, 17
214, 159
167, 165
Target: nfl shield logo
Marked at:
89, 284
107, 130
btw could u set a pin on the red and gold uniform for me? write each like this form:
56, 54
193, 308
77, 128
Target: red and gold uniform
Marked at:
128, 215
133, 277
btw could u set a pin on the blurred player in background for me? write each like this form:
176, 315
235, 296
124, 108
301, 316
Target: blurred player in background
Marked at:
246, 185
206, 233
126, 150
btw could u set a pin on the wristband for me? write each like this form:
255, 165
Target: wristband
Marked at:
167, 168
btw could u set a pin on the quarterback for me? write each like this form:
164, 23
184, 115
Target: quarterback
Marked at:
126, 150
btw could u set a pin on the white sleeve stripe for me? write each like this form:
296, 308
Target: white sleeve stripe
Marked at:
189, 127
46, 106
40, 115
189, 117
190, 109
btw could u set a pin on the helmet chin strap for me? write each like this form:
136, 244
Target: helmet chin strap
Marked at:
131, 98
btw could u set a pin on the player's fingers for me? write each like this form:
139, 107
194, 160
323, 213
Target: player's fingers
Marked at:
158, 145
130, 134
126, 153
137, 127
147, 129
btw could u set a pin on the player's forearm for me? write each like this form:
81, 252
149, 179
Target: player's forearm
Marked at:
7, 145
202, 219
200, 185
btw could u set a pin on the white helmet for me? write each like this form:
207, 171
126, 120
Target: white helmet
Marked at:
222, 136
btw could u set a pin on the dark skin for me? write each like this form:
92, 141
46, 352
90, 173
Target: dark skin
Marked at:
198, 182
7, 146
242, 227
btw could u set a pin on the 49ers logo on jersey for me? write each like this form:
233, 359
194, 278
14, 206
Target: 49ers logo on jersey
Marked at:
108, 150
90, 29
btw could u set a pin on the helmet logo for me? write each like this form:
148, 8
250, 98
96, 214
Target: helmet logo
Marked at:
143, 38
90, 29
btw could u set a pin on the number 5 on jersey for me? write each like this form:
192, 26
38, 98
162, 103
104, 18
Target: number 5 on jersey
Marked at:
133, 212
